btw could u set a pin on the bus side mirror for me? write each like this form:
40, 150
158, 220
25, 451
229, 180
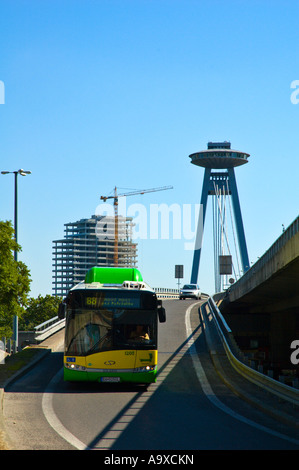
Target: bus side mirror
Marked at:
61, 310
162, 314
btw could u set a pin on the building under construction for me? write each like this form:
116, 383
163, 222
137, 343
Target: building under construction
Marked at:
91, 242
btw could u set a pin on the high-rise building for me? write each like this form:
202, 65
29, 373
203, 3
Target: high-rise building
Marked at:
88, 243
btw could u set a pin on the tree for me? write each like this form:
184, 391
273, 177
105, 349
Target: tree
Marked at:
14, 280
39, 310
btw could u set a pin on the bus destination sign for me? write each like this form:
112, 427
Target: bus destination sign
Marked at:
112, 302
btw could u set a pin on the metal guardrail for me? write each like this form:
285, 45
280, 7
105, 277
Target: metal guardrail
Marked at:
165, 293
236, 358
171, 293
48, 328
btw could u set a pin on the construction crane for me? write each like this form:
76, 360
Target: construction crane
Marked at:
115, 204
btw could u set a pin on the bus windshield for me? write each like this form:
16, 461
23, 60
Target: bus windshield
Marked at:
90, 331
101, 320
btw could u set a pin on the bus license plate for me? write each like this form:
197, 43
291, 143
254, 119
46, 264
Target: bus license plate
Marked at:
110, 379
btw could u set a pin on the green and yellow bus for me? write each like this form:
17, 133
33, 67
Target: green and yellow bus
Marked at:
111, 328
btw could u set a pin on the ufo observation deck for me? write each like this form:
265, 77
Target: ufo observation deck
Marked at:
219, 155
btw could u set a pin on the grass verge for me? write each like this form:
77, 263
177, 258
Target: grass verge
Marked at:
16, 362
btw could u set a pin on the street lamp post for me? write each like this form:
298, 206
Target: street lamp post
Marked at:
16, 173
15, 319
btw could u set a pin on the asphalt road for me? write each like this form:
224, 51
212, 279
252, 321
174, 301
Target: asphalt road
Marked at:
189, 408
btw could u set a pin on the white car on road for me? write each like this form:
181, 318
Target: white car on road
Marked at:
190, 291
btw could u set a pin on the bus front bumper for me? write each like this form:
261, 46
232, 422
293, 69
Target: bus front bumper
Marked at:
145, 374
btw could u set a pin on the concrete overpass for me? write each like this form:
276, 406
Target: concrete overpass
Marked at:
262, 307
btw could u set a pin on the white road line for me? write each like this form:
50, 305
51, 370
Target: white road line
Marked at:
207, 389
49, 413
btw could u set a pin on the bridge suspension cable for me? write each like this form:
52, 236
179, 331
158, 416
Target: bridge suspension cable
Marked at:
233, 232
220, 233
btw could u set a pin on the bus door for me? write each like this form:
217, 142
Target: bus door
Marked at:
136, 332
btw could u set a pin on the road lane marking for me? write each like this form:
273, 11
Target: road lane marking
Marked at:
50, 415
207, 389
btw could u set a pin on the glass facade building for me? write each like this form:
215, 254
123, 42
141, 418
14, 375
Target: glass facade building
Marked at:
87, 243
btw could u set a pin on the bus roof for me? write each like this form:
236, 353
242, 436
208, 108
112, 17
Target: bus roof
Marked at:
112, 275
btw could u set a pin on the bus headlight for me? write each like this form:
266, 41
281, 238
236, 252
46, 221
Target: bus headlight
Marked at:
145, 369
74, 366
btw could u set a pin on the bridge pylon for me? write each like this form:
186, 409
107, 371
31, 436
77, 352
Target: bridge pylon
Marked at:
219, 156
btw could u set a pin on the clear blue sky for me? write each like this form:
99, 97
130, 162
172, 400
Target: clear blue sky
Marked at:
104, 93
